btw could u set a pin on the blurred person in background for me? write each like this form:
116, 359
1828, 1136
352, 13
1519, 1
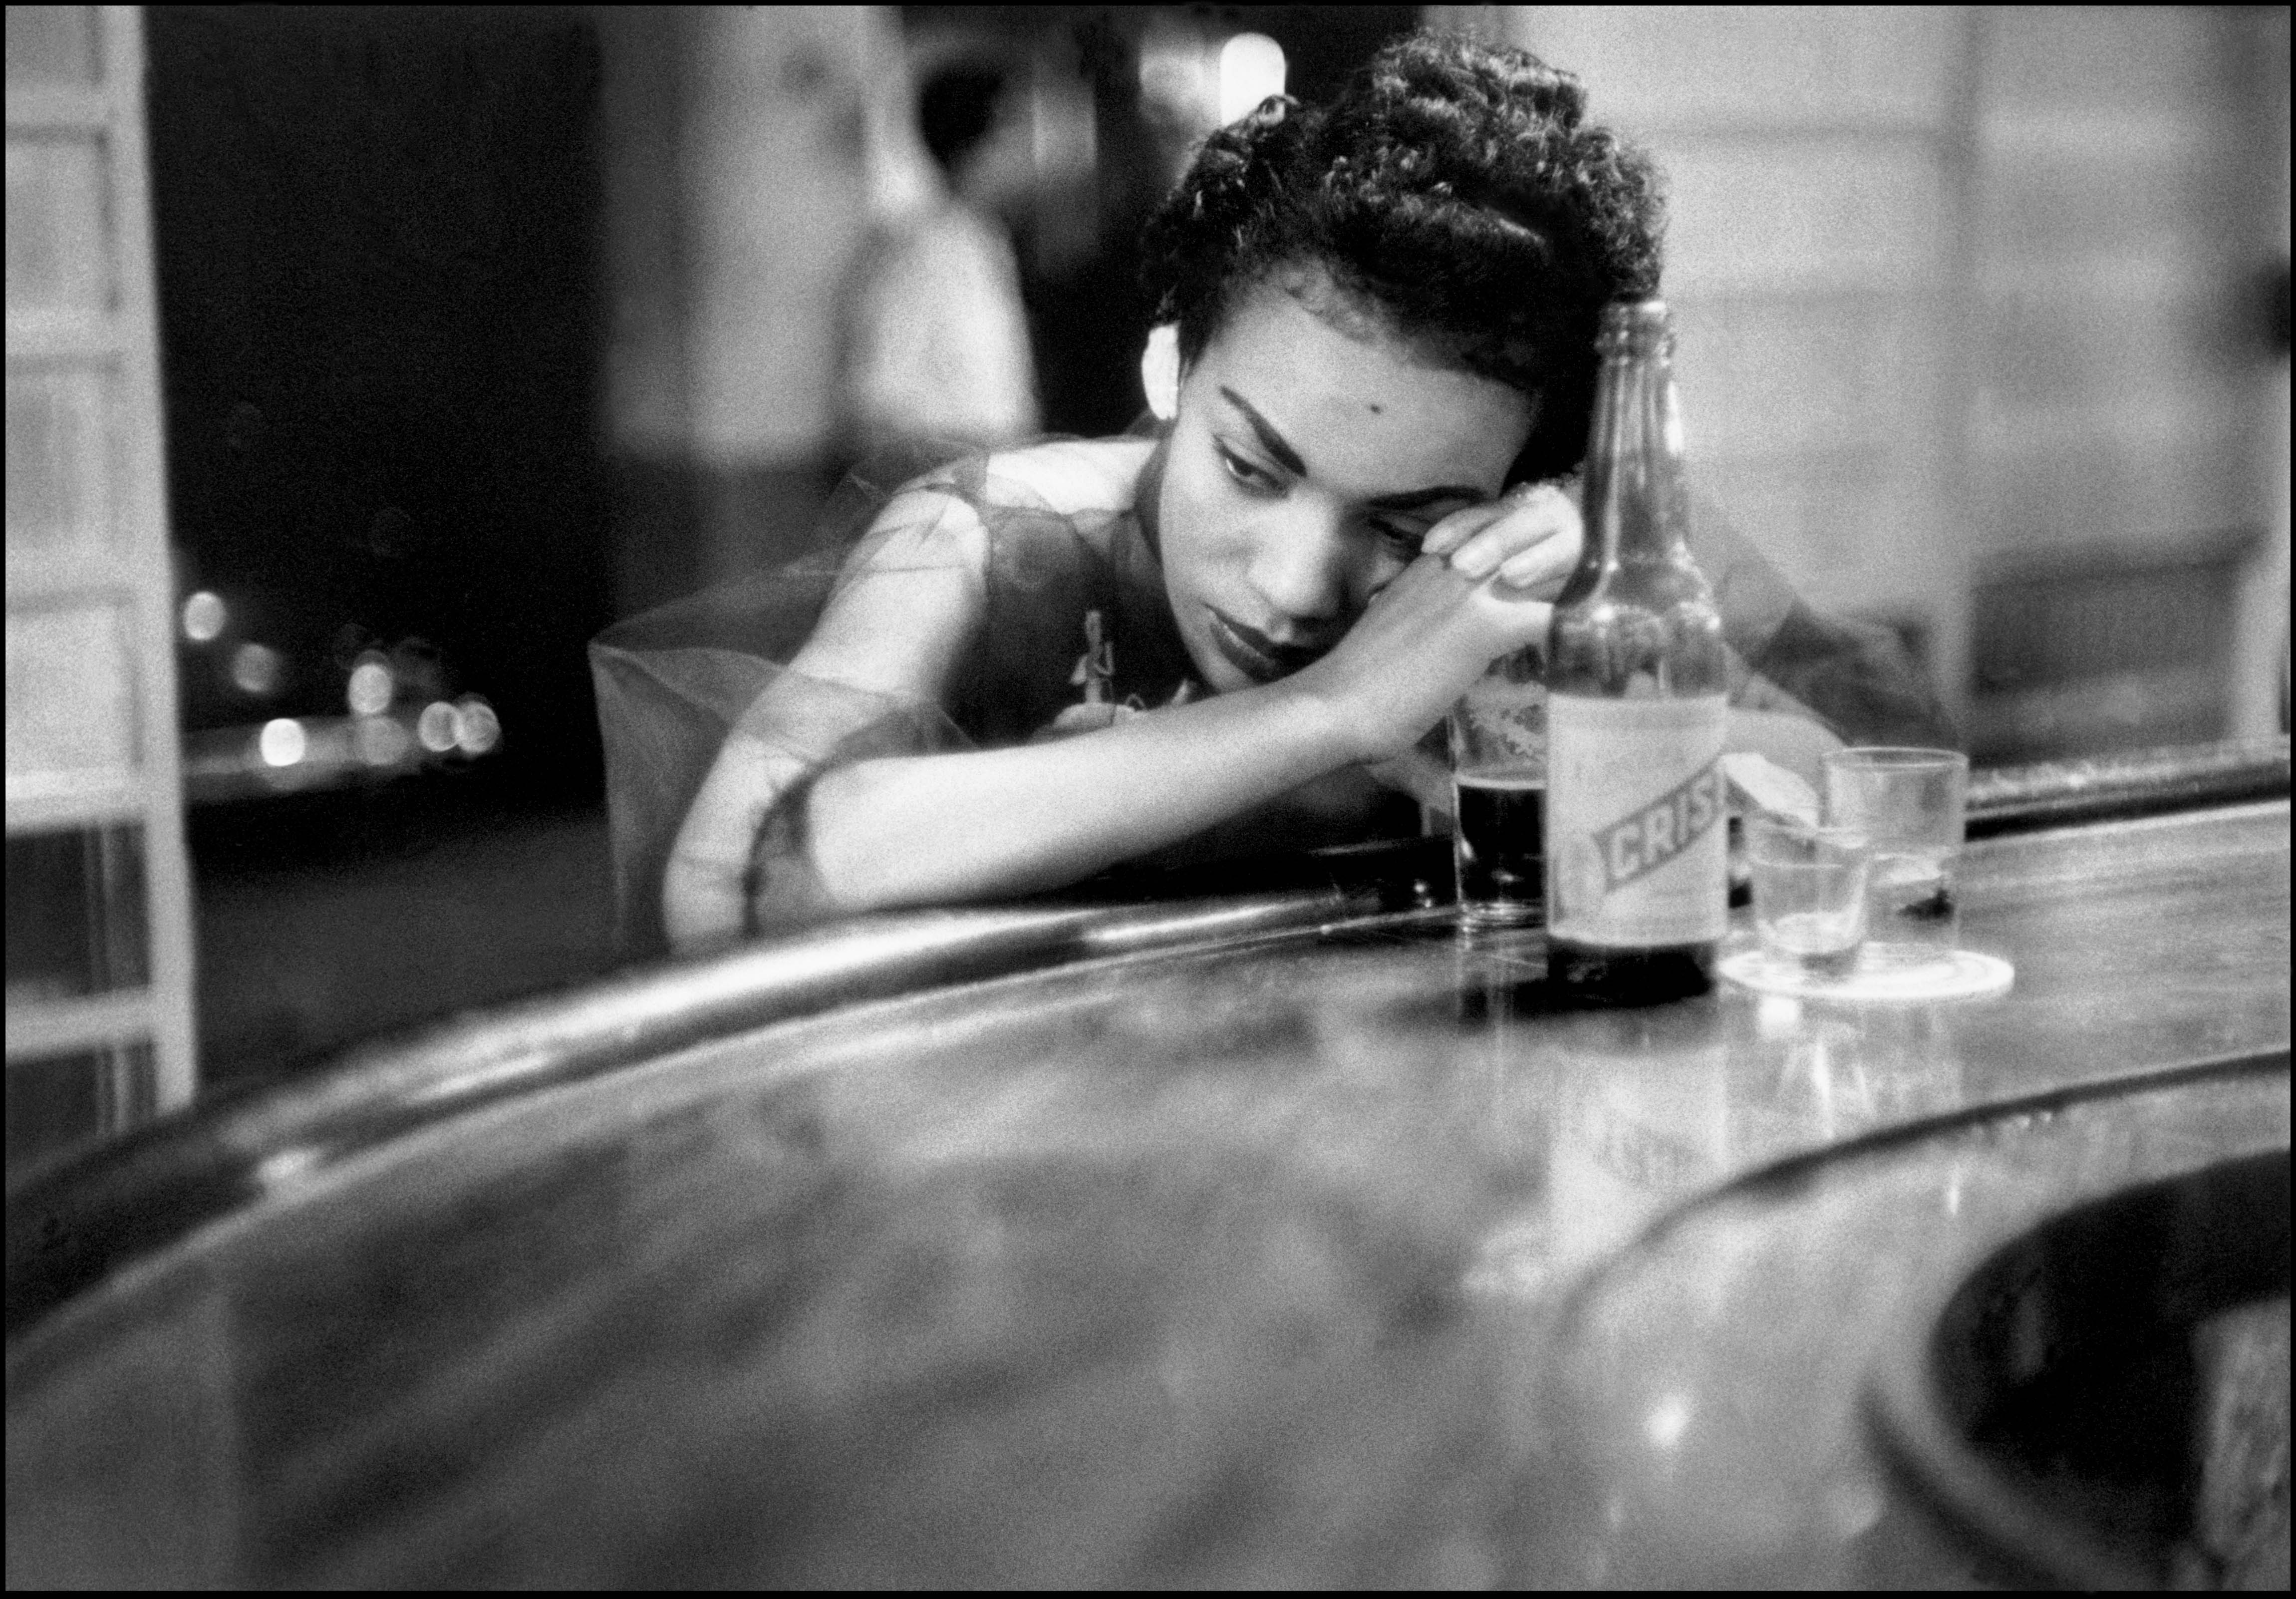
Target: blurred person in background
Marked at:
939, 342
1371, 386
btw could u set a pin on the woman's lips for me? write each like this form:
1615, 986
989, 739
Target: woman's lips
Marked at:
1252, 653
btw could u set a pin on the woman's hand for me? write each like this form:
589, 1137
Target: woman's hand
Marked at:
1482, 586
1530, 536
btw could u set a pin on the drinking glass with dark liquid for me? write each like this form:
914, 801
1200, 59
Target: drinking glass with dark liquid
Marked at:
1637, 871
1498, 793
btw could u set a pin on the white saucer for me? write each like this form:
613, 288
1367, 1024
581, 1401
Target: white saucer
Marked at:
1883, 972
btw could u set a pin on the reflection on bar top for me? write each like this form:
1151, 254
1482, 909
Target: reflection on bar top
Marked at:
1210, 1262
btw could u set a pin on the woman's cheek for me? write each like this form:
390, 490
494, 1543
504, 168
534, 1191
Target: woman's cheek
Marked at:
1218, 533
1384, 572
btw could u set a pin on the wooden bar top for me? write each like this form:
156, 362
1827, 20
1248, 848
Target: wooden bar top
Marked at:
1223, 1262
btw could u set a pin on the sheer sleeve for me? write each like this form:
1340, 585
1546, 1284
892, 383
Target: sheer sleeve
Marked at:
674, 683
864, 650
1856, 678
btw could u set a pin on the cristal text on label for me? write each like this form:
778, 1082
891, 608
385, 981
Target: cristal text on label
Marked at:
1639, 844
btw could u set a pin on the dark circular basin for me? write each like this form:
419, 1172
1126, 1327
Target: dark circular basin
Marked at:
2104, 1402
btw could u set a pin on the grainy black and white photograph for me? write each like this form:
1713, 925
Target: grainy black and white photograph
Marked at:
1144, 797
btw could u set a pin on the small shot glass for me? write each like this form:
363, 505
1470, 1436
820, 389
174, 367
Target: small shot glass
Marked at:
1911, 803
1809, 892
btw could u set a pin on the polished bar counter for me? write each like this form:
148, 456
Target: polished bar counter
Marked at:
1288, 1237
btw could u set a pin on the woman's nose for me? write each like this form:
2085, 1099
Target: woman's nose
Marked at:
1301, 569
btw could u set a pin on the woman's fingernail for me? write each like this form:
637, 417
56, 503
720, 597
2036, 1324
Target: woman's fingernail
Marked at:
1476, 564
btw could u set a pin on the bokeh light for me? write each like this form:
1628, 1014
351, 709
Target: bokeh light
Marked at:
204, 617
440, 727
282, 741
1251, 70
1179, 85
372, 685
381, 740
481, 729
257, 669
1667, 1421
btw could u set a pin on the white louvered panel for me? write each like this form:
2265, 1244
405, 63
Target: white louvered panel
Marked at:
59, 253
72, 712
1837, 523
1657, 68
52, 47
1766, 378
91, 742
1804, 216
59, 464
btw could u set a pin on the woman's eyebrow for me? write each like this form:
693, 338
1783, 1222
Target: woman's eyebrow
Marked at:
1288, 458
1426, 496
1270, 440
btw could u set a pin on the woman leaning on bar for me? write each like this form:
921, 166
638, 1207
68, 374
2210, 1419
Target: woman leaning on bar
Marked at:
1369, 390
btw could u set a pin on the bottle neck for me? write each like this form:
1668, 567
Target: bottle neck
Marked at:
1634, 485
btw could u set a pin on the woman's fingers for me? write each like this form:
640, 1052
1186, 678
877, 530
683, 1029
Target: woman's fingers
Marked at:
1542, 566
1541, 569
1460, 526
1508, 619
1533, 534
1418, 774
1530, 623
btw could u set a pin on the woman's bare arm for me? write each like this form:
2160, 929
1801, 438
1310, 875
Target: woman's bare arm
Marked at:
930, 829
910, 829
1008, 821
904, 614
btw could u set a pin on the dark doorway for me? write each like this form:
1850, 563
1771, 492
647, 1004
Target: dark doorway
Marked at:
375, 234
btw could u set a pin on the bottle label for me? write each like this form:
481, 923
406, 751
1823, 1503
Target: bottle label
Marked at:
1634, 853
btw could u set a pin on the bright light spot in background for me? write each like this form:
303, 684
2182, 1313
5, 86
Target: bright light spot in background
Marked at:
372, 685
481, 730
440, 727
203, 616
1669, 1420
1177, 87
381, 740
1251, 70
282, 742
256, 670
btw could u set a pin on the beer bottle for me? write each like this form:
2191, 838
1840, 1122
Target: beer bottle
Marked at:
1636, 875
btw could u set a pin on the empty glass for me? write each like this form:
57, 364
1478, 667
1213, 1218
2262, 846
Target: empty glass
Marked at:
1810, 889
1910, 804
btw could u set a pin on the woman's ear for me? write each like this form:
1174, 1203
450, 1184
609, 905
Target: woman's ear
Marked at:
1160, 371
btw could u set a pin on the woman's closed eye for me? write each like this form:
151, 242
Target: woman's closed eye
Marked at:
1248, 474
1404, 535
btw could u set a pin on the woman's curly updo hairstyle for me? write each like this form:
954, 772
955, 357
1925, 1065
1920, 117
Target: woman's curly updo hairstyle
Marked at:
1454, 192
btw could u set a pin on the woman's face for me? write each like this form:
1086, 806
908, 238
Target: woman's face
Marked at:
1305, 464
